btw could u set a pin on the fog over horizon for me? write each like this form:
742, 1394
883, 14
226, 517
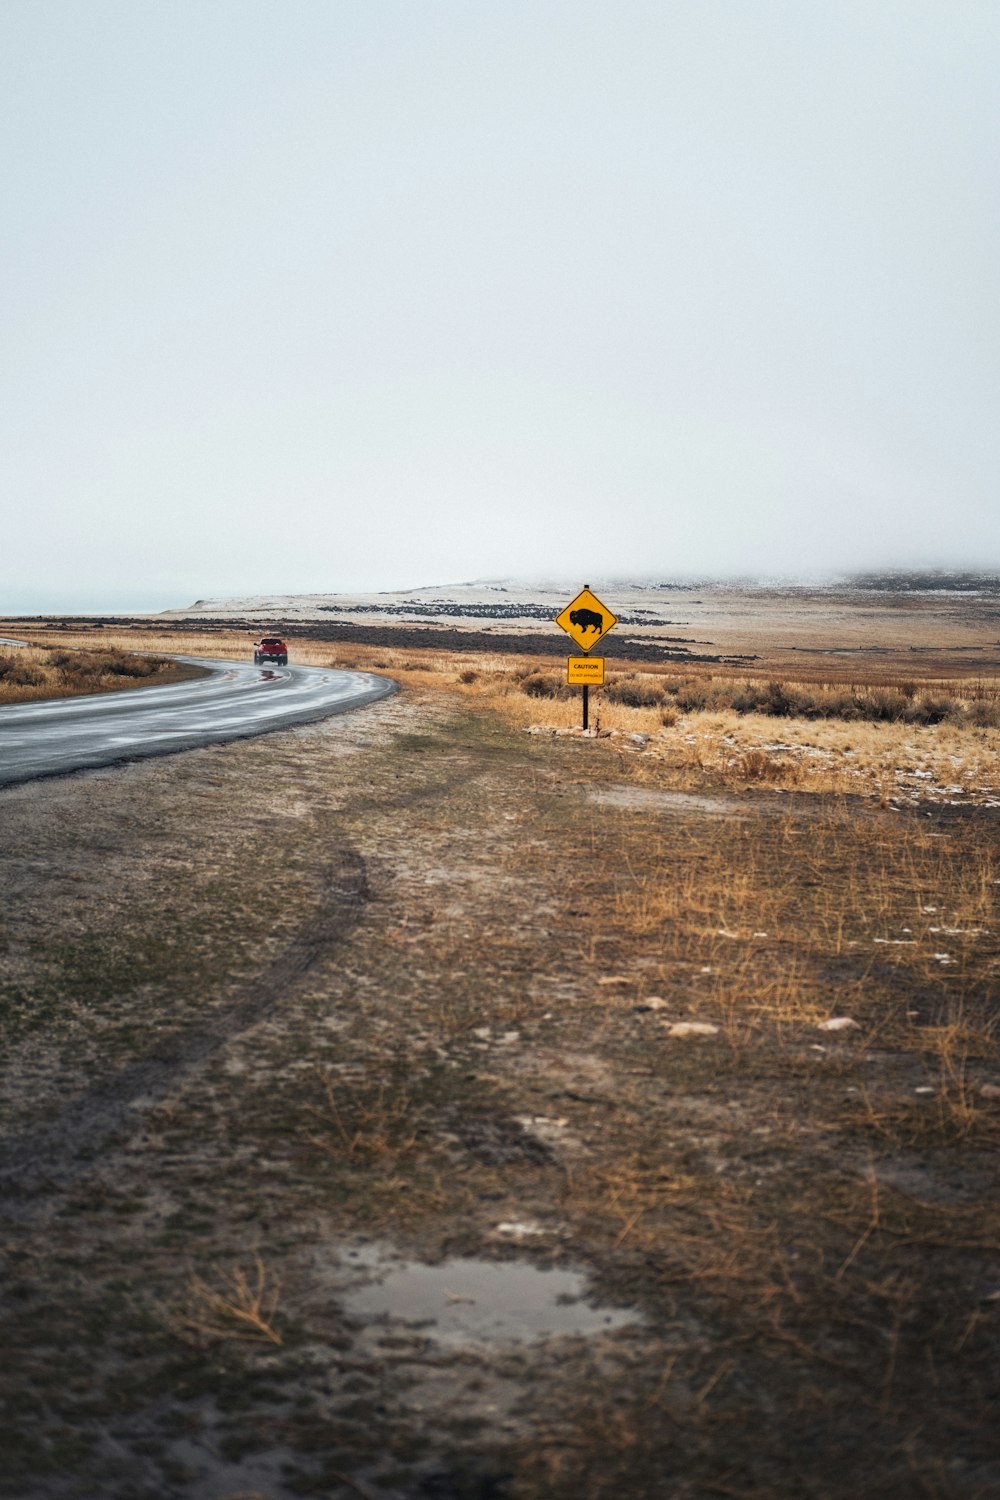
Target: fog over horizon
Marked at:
329, 298
954, 581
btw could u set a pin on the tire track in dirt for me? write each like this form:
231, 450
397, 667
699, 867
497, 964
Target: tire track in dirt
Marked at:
49, 1158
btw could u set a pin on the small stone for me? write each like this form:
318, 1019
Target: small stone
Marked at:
639, 739
990, 1090
652, 1002
614, 979
692, 1028
838, 1023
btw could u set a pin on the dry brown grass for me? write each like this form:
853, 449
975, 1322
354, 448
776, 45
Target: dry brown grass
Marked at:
769, 925
904, 763
956, 1052
35, 672
364, 1121
240, 1306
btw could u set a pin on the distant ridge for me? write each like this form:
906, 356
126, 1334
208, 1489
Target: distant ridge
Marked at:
932, 580
539, 596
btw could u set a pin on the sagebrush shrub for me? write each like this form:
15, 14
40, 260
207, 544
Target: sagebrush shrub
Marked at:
985, 715
19, 673
540, 685
757, 765
633, 693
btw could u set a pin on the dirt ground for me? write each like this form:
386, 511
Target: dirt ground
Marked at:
412, 1106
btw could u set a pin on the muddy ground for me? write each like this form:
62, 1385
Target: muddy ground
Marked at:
290, 1021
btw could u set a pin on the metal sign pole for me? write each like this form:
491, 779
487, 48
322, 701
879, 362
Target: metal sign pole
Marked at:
586, 686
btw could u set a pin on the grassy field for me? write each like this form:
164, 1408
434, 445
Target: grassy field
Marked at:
865, 730
703, 1006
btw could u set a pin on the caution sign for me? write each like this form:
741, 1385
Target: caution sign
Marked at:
585, 671
586, 619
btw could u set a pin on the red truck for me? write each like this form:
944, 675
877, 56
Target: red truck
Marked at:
270, 648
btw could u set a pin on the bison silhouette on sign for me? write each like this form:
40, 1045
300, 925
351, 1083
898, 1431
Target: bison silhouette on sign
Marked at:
587, 619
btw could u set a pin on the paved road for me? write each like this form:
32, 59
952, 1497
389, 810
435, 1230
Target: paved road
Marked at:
237, 700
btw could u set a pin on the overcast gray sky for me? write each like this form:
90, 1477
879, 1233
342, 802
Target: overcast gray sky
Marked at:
311, 295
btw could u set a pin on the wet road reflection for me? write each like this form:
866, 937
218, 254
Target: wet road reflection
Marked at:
236, 700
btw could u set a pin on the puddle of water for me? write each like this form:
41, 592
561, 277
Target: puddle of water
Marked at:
467, 1301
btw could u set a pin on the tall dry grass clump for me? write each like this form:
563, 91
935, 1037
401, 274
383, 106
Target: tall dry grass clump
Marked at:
30, 673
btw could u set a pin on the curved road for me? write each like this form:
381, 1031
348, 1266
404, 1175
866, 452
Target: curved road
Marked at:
235, 701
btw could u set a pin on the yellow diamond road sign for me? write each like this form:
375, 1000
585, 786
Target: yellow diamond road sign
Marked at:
586, 620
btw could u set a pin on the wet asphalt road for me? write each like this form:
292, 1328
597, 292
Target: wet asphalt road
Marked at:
236, 701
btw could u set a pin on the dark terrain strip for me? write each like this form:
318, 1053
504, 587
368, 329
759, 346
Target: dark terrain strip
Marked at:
51, 1157
441, 638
